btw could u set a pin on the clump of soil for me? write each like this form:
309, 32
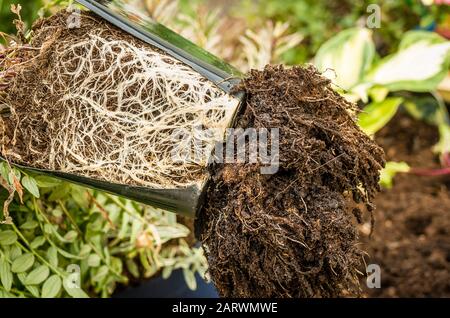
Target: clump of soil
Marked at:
411, 240
292, 234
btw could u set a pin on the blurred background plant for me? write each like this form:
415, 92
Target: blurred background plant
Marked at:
400, 67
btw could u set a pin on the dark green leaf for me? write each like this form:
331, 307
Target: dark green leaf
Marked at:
30, 184
5, 274
47, 182
8, 237
29, 225
14, 252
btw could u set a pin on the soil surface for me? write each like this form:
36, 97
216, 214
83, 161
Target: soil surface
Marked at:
293, 233
411, 239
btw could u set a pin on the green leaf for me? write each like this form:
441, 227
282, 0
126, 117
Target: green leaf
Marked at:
52, 256
168, 233
30, 184
29, 225
421, 63
133, 268
167, 271
378, 93
8, 237
51, 287
124, 226
116, 264
37, 276
34, 290
429, 108
189, 277
23, 263
13, 173
349, 54
48, 228
85, 250
412, 37
69, 255
93, 260
60, 192
70, 236
6, 276
443, 146
376, 115
37, 242
135, 229
389, 172
4, 170
100, 274
73, 291
15, 252
47, 182
5, 294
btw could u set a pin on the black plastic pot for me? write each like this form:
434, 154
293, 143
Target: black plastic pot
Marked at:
173, 287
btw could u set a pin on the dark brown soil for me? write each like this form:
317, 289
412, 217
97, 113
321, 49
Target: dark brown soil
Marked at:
292, 234
411, 239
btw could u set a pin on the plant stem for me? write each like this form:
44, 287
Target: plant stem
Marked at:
94, 248
29, 249
430, 172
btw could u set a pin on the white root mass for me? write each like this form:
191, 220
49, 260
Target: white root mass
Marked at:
122, 105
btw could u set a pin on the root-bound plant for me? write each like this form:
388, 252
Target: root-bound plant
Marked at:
97, 102
112, 106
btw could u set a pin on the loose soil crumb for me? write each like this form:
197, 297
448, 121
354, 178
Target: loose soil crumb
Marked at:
292, 234
411, 239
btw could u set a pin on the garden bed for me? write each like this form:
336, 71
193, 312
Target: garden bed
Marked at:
412, 230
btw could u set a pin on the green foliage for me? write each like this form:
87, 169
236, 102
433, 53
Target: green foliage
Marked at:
67, 241
377, 114
350, 47
420, 64
384, 84
321, 20
389, 172
29, 14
